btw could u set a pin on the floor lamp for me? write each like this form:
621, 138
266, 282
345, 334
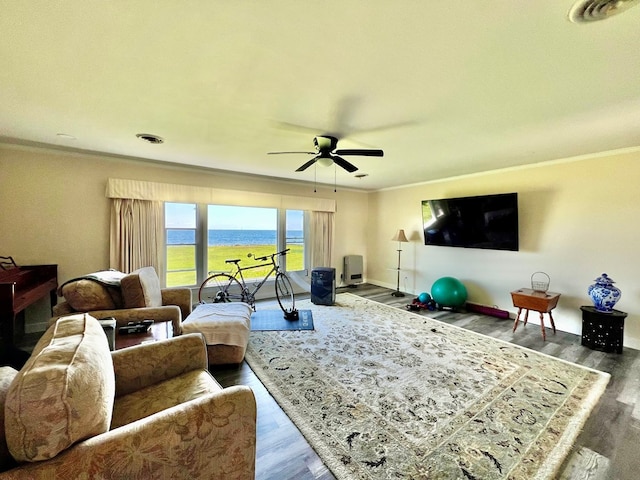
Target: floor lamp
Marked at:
399, 237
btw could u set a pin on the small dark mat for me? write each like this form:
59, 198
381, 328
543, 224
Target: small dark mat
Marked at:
274, 320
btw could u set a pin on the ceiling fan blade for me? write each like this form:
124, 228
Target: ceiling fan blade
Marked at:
341, 162
281, 153
388, 126
362, 153
307, 164
293, 127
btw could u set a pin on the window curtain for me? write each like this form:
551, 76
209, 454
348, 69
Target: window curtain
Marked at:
322, 225
168, 192
137, 235
137, 218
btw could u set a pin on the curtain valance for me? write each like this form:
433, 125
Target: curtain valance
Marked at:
167, 192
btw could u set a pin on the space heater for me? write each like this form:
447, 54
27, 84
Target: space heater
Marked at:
352, 269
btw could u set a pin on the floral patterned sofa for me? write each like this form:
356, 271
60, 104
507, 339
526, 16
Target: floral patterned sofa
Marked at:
77, 410
129, 297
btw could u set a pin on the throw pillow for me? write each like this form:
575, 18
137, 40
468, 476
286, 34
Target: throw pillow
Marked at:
141, 289
87, 295
64, 393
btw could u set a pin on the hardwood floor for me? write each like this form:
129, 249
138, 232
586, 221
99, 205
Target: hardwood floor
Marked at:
607, 448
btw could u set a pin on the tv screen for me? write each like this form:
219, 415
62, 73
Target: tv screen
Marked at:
488, 221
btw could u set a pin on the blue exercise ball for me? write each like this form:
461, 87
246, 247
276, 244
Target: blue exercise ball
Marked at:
449, 292
424, 297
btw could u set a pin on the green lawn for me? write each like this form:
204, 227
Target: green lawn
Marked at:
181, 261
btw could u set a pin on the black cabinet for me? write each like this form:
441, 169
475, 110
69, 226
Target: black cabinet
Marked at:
603, 331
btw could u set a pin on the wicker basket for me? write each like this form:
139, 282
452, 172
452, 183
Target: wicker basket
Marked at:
540, 282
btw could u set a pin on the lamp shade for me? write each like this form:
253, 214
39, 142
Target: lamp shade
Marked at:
400, 237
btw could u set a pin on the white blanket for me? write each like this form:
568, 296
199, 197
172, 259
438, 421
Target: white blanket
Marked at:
221, 323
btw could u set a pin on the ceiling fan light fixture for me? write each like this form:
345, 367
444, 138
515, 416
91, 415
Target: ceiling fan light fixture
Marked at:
327, 154
587, 11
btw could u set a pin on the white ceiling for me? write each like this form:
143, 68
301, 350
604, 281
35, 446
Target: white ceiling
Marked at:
463, 86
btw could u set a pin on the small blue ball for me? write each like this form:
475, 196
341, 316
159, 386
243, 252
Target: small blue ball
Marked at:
424, 297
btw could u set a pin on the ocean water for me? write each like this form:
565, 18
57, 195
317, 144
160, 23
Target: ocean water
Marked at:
232, 237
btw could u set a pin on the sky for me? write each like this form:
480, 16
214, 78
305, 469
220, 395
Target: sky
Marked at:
220, 217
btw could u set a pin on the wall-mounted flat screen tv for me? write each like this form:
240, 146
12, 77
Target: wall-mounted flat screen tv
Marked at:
487, 221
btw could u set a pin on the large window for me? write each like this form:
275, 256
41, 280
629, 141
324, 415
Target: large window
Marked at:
294, 240
180, 220
240, 232
201, 237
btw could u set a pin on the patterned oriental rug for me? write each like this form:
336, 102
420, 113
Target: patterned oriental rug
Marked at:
382, 393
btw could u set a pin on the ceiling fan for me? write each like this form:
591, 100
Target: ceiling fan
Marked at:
326, 153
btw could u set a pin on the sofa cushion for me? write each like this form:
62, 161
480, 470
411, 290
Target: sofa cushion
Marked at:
141, 289
87, 295
64, 393
7, 374
160, 396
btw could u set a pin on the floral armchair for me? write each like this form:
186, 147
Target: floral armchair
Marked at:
77, 410
129, 297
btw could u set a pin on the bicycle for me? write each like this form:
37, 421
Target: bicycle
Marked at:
225, 287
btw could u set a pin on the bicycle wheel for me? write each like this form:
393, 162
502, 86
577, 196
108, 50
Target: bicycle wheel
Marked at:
284, 293
220, 288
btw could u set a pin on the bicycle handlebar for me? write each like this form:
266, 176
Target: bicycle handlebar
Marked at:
262, 259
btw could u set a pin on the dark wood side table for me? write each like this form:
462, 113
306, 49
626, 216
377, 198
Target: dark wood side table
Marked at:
543, 302
158, 331
603, 331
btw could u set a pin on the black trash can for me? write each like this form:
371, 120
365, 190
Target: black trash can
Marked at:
323, 286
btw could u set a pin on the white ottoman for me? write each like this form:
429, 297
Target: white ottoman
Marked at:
225, 327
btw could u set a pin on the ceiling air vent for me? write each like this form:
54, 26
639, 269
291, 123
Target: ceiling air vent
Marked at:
585, 11
148, 137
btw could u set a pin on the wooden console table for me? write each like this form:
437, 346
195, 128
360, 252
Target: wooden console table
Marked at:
19, 288
542, 302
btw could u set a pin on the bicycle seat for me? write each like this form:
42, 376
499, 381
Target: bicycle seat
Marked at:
235, 260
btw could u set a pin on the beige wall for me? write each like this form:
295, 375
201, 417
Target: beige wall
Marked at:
54, 208
578, 219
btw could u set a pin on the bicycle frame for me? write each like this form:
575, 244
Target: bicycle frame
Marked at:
246, 292
232, 286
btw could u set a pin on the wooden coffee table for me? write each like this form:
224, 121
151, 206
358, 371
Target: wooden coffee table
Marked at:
158, 331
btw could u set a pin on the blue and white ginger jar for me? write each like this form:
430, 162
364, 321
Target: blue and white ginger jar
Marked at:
603, 294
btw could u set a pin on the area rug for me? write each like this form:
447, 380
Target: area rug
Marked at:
274, 320
382, 393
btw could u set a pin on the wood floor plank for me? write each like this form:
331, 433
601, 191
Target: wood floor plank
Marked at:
586, 464
605, 449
